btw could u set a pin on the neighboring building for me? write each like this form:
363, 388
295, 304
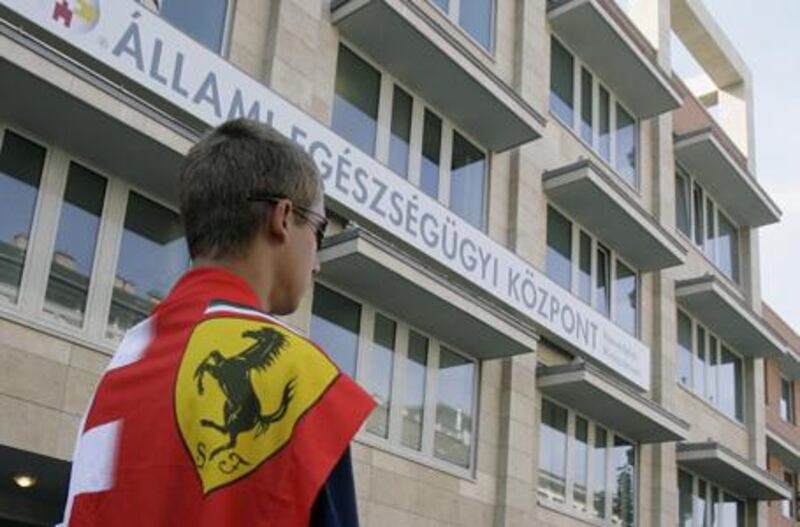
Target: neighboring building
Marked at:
544, 262
783, 435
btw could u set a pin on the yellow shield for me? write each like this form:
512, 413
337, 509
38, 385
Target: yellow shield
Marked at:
242, 386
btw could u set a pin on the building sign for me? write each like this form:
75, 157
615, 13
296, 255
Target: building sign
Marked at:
140, 45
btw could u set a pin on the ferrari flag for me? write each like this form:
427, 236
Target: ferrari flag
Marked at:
212, 413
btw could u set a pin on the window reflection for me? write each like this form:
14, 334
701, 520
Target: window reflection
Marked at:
553, 451
152, 257
73, 255
581, 462
627, 145
468, 181
562, 82
355, 104
623, 484
414, 403
600, 480
21, 163
475, 16
559, 249
401, 132
203, 20
453, 437
335, 324
381, 364
626, 293
431, 154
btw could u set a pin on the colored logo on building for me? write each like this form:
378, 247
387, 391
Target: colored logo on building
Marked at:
78, 15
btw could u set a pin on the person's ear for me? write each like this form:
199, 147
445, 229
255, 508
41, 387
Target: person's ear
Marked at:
278, 221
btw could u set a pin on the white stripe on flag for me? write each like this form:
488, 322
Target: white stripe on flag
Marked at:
133, 345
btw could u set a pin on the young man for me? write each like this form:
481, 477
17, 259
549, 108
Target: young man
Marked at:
212, 412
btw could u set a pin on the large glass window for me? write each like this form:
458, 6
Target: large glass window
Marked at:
562, 82
76, 241
355, 104
587, 99
585, 268
787, 506
627, 139
414, 402
152, 257
476, 17
709, 368
456, 379
21, 163
602, 289
595, 453
604, 126
401, 132
380, 374
553, 451
559, 248
431, 154
702, 504
203, 20
468, 181
727, 248
683, 211
787, 400
626, 293
335, 326
400, 377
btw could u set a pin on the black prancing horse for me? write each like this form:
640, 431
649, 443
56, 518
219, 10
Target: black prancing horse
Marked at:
242, 410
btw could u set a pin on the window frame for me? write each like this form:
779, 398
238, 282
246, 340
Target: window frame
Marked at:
568, 504
712, 230
613, 257
29, 308
453, 15
393, 442
722, 492
717, 353
227, 26
575, 127
418, 107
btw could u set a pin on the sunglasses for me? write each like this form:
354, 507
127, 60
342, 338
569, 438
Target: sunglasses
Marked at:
315, 219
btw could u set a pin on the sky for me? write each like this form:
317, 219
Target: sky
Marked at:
767, 35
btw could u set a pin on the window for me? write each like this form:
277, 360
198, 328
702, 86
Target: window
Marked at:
152, 257
335, 325
476, 17
203, 20
709, 368
787, 400
608, 491
702, 221
562, 265
355, 104
787, 506
426, 392
458, 181
575, 90
562, 79
21, 164
63, 291
704, 504
73, 256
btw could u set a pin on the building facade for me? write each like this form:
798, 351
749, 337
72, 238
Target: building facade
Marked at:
543, 265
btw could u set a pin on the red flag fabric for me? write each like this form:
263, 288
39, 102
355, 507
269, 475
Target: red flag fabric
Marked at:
212, 413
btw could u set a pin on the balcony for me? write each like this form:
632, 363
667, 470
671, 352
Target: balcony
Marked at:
597, 200
713, 304
393, 280
604, 38
704, 149
402, 37
606, 400
719, 465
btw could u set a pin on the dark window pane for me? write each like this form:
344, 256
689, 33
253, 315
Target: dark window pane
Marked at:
623, 483
626, 299
604, 126
728, 248
468, 181
21, 163
475, 16
73, 255
700, 362
685, 513
581, 474
682, 205
401, 132
431, 154
355, 104
585, 269
710, 242
335, 325
203, 20
730, 384
455, 395
602, 290
562, 82
684, 349
627, 135
600, 453
553, 451
381, 366
414, 403
152, 258
586, 106
699, 216
559, 248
